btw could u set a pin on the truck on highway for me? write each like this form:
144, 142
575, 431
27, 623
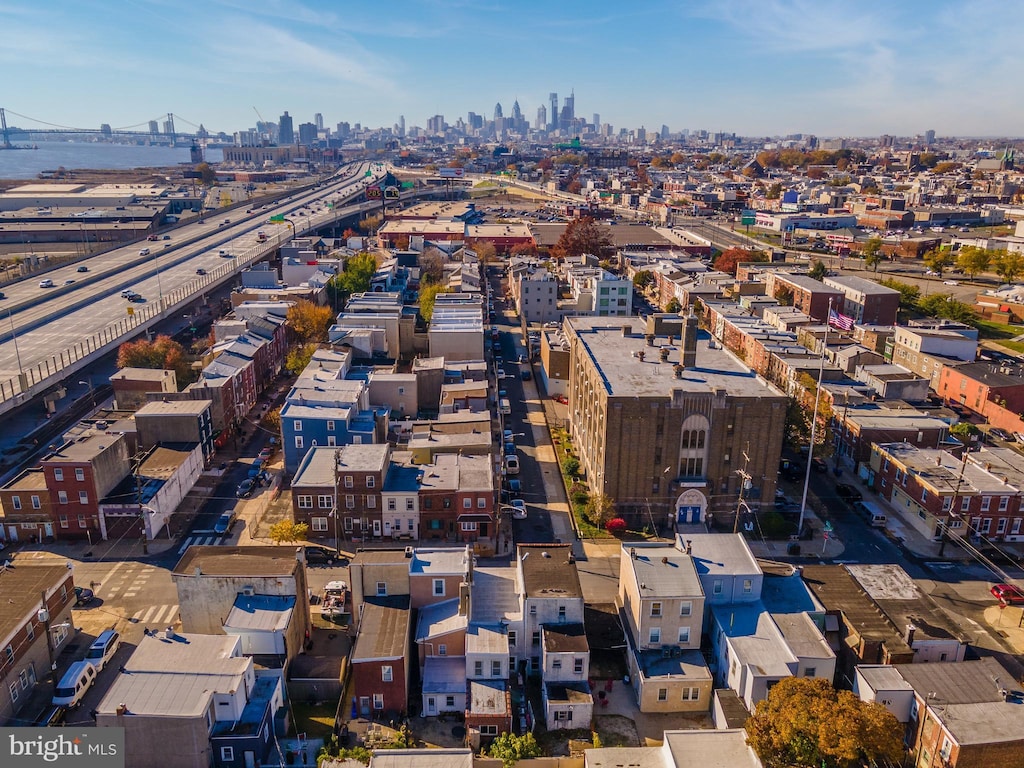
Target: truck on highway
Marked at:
261, 237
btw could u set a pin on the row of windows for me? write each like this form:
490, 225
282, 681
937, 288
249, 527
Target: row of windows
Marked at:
654, 636
324, 501
688, 694
332, 441
58, 474
685, 608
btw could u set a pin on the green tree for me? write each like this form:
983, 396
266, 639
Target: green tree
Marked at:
806, 722
944, 306
938, 260
298, 357
963, 430
308, 321
784, 296
287, 532
571, 466
510, 749
872, 253
428, 295
973, 260
642, 279
356, 276
818, 270
909, 294
581, 236
1008, 265
673, 305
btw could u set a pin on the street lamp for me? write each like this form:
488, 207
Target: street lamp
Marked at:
92, 392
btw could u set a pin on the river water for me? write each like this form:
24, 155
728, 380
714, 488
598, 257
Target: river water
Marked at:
51, 155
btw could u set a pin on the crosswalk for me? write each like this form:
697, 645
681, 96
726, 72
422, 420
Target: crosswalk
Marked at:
161, 615
199, 541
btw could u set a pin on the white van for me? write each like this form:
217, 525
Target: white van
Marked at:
76, 681
144, 252
871, 511
512, 465
505, 407
103, 648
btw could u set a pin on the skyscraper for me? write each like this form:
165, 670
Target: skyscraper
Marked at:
553, 114
318, 121
517, 113
497, 111
401, 126
542, 118
285, 131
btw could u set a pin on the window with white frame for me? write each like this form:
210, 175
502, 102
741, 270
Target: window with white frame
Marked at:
469, 526
656, 609
442, 649
14, 692
371, 502
1001, 525
298, 441
467, 503
663, 694
495, 668
481, 502
684, 634
1004, 503
83, 497
409, 505
371, 481
79, 474
348, 525
392, 505
556, 663
378, 701
36, 504
227, 754
81, 521
986, 503
16, 502
577, 665
62, 497
488, 730
690, 694
332, 441
655, 635
564, 716
986, 525
349, 482
330, 426
318, 524
478, 668
324, 501
748, 586
685, 608
382, 589
438, 587
305, 502
297, 425
965, 504
386, 674
58, 474
350, 501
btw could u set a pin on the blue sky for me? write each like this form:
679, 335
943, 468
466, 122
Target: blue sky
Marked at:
761, 67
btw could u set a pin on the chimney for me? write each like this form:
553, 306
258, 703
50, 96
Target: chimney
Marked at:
908, 635
689, 356
689, 546
671, 339
650, 339
641, 355
663, 354
626, 330
463, 599
467, 561
678, 370
632, 552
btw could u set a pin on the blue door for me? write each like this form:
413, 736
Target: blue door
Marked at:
687, 515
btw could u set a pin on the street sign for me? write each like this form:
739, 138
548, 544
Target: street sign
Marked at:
279, 218
408, 184
373, 193
828, 527
391, 193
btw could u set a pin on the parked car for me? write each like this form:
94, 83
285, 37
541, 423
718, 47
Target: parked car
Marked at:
847, 492
1008, 594
1002, 434
83, 596
319, 556
818, 465
246, 488
265, 454
518, 509
1019, 437
515, 486
526, 375
224, 523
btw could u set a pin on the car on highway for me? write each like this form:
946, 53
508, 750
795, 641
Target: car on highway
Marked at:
46, 283
1008, 594
246, 488
318, 556
200, 271
83, 268
518, 509
69, 281
224, 523
136, 298
847, 492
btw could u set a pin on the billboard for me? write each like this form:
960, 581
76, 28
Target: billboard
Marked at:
450, 173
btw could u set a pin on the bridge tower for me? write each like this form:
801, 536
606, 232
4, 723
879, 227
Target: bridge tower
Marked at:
3, 124
170, 129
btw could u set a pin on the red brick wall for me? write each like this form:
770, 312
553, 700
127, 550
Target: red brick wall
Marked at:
367, 680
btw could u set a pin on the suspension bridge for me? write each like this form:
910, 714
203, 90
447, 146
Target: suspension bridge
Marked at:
162, 129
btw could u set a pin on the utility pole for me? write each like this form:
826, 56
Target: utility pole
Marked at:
944, 535
744, 487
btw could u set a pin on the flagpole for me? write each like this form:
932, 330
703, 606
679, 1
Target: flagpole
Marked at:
814, 423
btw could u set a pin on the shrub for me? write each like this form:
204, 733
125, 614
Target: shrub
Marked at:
616, 525
774, 525
571, 466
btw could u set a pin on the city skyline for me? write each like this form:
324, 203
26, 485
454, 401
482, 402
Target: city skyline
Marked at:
751, 68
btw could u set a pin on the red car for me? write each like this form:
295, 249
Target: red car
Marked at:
1007, 594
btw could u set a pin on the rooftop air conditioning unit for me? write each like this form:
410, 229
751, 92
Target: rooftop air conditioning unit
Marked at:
248, 591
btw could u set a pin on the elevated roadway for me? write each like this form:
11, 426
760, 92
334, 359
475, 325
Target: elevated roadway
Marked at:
47, 334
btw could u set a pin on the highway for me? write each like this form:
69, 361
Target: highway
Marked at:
50, 332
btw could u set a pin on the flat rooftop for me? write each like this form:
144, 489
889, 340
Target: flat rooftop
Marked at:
547, 571
564, 638
237, 561
611, 352
661, 570
383, 629
22, 586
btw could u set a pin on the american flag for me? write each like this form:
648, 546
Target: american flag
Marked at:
839, 320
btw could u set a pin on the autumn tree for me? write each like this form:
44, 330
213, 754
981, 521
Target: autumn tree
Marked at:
431, 265
484, 250
370, 223
298, 357
206, 174
806, 722
731, 258
945, 167
600, 509
522, 249
308, 321
287, 532
938, 260
1008, 265
163, 352
349, 232
872, 253
581, 236
973, 260
428, 295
